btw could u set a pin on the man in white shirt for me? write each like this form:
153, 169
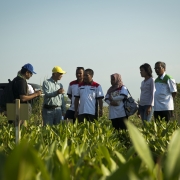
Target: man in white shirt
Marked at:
90, 95
72, 89
165, 92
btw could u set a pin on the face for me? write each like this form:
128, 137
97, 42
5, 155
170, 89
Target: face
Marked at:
28, 75
79, 74
113, 80
143, 72
159, 69
57, 76
87, 77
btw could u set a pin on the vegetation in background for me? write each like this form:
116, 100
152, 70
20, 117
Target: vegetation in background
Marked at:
176, 112
90, 150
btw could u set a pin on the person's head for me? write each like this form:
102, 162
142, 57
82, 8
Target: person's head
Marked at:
79, 73
145, 70
116, 79
57, 73
116, 82
160, 68
88, 75
27, 71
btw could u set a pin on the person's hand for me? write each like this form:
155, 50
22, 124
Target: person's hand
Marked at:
114, 103
148, 110
138, 114
38, 93
60, 91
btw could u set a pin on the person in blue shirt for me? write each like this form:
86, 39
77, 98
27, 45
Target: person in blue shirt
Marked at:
54, 104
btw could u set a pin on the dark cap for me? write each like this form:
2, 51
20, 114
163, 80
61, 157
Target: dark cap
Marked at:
29, 67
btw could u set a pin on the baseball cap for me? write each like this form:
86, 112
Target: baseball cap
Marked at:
58, 69
29, 67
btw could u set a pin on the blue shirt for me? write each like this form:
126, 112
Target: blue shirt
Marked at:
51, 97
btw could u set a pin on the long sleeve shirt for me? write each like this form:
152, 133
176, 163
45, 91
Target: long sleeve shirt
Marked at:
51, 97
147, 92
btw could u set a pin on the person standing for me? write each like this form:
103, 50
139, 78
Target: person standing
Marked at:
20, 86
72, 89
90, 95
114, 98
146, 103
53, 105
165, 93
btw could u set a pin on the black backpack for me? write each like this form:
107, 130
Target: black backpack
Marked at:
7, 95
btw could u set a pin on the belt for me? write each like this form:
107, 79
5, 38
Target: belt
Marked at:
50, 106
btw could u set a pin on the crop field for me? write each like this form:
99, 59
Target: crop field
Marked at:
90, 150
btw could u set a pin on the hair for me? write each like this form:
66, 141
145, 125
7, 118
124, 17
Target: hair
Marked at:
147, 69
163, 64
79, 68
90, 71
23, 70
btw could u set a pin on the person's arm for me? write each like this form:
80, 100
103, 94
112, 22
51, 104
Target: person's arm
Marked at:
118, 98
172, 87
76, 105
70, 97
22, 91
109, 101
151, 98
69, 92
100, 107
47, 93
24, 98
63, 106
174, 94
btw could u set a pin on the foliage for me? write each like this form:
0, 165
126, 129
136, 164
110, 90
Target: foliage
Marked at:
89, 150
177, 104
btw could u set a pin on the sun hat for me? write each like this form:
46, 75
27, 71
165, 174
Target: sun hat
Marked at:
58, 69
29, 67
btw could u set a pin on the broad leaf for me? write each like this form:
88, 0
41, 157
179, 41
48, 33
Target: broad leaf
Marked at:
140, 146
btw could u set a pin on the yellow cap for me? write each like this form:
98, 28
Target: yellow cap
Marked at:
58, 69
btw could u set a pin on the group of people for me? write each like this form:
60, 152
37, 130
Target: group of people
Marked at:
157, 96
87, 96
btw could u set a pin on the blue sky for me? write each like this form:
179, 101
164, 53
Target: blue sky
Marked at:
107, 36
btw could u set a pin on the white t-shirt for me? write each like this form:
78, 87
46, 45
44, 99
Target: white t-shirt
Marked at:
30, 89
72, 90
88, 95
165, 86
147, 92
117, 111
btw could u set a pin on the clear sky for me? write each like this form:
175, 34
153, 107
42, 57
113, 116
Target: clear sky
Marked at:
108, 36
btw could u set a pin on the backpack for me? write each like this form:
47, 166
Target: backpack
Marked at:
7, 95
130, 105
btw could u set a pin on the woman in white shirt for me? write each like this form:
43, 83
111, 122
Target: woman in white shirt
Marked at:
146, 104
114, 98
